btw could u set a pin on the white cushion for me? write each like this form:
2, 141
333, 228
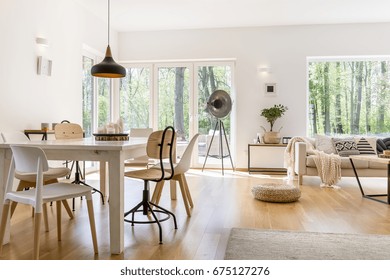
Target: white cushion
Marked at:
324, 143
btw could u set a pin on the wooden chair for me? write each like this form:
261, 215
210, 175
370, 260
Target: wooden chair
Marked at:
66, 130
28, 159
179, 175
28, 180
142, 161
160, 146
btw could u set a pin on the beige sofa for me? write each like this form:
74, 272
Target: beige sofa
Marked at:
304, 165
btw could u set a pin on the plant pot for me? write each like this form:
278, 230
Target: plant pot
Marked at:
271, 137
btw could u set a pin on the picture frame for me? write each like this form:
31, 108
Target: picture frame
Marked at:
270, 89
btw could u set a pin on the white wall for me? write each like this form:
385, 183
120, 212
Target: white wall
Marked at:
285, 49
27, 99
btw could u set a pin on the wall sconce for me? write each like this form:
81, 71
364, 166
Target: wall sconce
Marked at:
264, 69
42, 41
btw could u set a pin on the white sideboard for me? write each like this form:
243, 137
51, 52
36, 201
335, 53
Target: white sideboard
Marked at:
266, 157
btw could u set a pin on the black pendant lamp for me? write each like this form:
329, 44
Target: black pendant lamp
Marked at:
108, 68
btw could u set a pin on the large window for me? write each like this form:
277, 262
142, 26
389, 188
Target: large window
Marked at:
349, 96
176, 93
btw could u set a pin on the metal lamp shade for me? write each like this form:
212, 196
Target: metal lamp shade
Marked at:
108, 68
219, 104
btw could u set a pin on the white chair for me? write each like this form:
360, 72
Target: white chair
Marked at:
28, 159
179, 175
160, 146
66, 130
28, 180
141, 161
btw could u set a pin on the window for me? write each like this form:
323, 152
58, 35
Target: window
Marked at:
134, 98
88, 90
349, 96
175, 93
96, 97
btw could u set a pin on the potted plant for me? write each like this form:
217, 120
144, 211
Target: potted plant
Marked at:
271, 115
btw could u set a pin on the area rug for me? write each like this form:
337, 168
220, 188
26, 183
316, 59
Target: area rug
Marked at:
256, 244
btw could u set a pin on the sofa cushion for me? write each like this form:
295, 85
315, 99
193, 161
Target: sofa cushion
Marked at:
324, 143
345, 147
377, 165
345, 163
382, 144
366, 145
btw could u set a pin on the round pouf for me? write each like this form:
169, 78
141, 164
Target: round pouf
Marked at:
272, 192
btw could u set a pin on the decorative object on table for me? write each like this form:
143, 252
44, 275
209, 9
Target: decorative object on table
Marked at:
285, 139
219, 105
108, 68
112, 132
258, 138
271, 115
386, 154
111, 137
272, 192
45, 126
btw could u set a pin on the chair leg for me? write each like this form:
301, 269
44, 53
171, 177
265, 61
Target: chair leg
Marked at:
37, 229
92, 225
157, 192
67, 208
58, 208
3, 224
157, 221
184, 195
147, 208
166, 211
187, 190
21, 186
45, 218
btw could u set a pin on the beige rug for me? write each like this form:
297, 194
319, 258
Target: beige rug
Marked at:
256, 244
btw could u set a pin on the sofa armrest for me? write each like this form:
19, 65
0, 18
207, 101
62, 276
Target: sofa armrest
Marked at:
300, 158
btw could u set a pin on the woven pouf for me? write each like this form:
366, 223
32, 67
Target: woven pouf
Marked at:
272, 192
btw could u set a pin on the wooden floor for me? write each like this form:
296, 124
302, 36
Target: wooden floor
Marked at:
221, 202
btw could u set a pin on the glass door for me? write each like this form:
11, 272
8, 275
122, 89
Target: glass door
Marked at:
135, 97
173, 101
209, 78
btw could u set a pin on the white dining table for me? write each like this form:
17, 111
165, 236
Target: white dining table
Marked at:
110, 153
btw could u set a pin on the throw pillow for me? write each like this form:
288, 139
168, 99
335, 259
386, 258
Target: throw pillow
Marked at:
365, 145
324, 143
345, 147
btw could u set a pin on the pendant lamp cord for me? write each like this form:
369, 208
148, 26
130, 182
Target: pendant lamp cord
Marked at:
108, 40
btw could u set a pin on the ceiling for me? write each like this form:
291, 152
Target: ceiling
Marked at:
145, 15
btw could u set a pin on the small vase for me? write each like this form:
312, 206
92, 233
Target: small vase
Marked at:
271, 137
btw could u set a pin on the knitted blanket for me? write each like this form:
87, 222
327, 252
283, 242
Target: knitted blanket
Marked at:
328, 165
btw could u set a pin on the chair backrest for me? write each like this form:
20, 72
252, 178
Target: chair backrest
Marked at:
68, 131
185, 161
161, 145
14, 136
140, 132
26, 158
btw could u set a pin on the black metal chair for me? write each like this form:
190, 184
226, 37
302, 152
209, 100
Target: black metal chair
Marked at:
160, 145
